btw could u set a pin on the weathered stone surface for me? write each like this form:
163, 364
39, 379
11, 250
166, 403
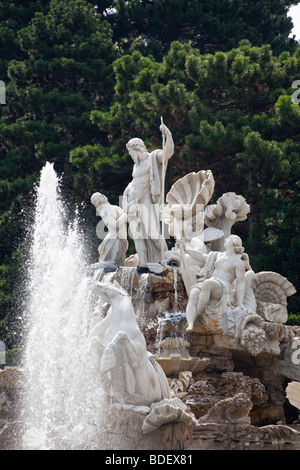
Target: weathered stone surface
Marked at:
10, 388
205, 394
123, 430
233, 410
210, 436
10, 425
288, 369
10, 432
230, 371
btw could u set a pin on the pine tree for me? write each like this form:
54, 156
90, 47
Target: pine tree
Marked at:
152, 25
62, 71
228, 112
67, 73
14, 15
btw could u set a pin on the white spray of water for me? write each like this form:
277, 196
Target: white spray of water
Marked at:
140, 295
58, 316
127, 279
175, 290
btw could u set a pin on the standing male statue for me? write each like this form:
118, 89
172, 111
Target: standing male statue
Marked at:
143, 198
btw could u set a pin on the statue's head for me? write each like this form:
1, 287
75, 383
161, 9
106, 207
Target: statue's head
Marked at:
136, 149
236, 242
109, 290
97, 199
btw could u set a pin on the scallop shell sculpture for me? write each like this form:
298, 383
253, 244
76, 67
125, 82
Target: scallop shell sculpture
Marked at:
293, 394
34, 439
193, 188
272, 288
189, 194
166, 411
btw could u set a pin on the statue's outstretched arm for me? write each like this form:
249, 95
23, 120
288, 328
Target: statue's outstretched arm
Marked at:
195, 254
168, 150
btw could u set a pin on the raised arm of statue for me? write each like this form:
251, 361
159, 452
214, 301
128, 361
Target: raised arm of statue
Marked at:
168, 151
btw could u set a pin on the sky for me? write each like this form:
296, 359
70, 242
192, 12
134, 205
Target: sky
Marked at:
294, 12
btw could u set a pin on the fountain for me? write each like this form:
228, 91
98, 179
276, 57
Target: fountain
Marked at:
60, 315
183, 348
62, 363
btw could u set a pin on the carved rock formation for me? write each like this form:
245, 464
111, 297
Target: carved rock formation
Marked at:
271, 291
233, 410
175, 357
166, 411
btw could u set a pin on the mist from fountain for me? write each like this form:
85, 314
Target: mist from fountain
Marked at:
58, 408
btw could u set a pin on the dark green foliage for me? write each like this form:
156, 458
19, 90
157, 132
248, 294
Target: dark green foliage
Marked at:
293, 320
152, 25
66, 73
13, 358
230, 112
60, 70
15, 15
81, 81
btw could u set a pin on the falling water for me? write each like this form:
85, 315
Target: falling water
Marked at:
58, 324
173, 319
127, 279
175, 290
140, 295
160, 333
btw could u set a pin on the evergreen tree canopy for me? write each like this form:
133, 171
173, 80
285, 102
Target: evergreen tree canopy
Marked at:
83, 77
60, 73
66, 73
14, 15
230, 112
217, 25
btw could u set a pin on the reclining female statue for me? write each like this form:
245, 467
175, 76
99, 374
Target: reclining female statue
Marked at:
212, 294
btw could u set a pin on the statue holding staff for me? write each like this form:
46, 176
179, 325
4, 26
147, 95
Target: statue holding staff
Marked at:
143, 197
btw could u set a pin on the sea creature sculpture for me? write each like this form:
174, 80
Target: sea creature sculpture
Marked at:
132, 374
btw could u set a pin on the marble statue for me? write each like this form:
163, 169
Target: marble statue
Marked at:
186, 200
201, 243
205, 286
229, 209
214, 291
223, 298
112, 250
119, 347
143, 197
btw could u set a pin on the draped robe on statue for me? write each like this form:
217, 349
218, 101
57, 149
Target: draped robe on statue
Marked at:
142, 201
